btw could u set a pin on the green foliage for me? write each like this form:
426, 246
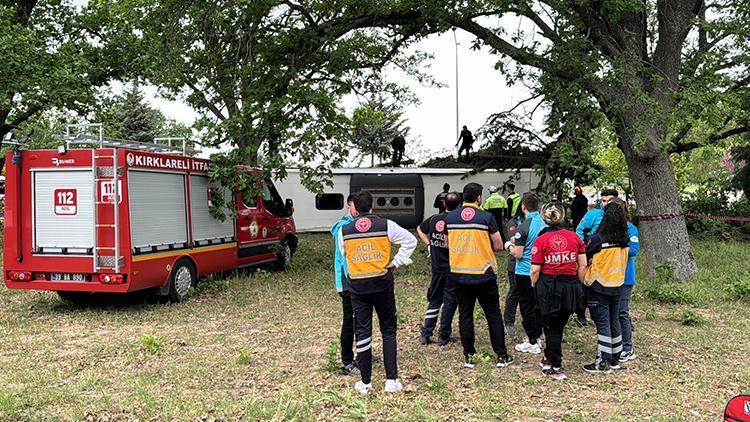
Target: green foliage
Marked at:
151, 343
693, 318
332, 357
56, 55
374, 125
739, 288
665, 289
243, 356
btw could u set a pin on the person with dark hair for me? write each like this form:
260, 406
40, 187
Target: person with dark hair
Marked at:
441, 292
467, 141
511, 300
473, 238
513, 199
342, 287
521, 249
587, 227
579, 206
558, 264
399, 147
626, 291
590, 222
607, 253
440, 199
366, 245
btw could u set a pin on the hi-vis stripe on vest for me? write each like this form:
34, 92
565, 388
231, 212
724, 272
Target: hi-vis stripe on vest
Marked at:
470, 249
368, 250
608, 266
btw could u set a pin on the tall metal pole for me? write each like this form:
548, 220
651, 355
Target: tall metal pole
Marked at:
456, 42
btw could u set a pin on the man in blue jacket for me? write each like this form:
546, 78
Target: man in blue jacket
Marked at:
593, 218
626, 290
342, 287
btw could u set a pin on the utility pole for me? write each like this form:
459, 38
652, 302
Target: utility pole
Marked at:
456, 42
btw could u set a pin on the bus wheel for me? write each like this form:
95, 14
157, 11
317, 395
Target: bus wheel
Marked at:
284, 256
181, 280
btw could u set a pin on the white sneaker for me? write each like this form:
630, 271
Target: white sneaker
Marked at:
393, 386
527, 347
362, 388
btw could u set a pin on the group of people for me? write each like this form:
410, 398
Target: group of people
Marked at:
553, 273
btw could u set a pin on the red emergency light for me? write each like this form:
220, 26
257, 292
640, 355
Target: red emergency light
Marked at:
111, 279
19, 275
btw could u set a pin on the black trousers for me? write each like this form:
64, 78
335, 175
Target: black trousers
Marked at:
441, 294
511, 301
489, 299
384, 303
347, 329
529, 311
398, 155
554, 324
464, 147
582, 303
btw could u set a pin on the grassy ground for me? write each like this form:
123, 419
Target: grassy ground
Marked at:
261, 347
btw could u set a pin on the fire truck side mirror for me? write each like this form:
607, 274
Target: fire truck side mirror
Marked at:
289, 206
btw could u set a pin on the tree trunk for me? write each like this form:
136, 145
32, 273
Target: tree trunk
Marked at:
656, 193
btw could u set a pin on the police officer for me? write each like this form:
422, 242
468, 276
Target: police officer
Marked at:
440, 292
497, 206
513, 199
473, 238
366, 245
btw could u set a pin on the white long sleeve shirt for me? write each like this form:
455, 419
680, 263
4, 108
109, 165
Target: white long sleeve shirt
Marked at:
397, 235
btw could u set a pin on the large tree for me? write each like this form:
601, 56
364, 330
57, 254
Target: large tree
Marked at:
55, 55
668, 76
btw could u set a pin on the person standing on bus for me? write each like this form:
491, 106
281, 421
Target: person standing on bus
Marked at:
342, 287
473, 238
399, 147
521, 249
495, 204
467, 141
366, 245
558, 264
441, 292
513, 199
440, 199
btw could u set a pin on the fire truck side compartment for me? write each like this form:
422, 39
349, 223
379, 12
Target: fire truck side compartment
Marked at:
158, 210
206, 228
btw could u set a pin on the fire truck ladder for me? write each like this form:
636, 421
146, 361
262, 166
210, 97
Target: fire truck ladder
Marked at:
107, 150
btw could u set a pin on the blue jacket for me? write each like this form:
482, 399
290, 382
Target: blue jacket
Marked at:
339, 262
590, 223
525, 237
635, 247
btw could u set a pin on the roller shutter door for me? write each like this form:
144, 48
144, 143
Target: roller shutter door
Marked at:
63, 211
158, 217
207, 229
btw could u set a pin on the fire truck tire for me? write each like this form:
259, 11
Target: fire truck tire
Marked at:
181, 280
284, 258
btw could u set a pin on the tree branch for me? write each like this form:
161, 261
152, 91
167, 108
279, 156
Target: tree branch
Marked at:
202, 97
711, 139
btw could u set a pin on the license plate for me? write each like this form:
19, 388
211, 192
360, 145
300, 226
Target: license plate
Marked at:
67, 277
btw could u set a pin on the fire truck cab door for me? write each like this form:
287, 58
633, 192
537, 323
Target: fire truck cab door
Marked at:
252, 232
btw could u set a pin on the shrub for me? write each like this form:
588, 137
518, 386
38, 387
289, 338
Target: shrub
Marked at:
739, 289
693, 318
151, 343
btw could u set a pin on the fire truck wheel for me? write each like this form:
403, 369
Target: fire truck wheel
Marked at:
284, 256
181, 280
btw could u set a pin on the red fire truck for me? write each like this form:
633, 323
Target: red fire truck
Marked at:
120, 216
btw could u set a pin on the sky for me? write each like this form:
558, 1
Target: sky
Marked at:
482, 92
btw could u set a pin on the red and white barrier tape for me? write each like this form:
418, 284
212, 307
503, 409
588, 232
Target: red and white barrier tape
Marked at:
691, 214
